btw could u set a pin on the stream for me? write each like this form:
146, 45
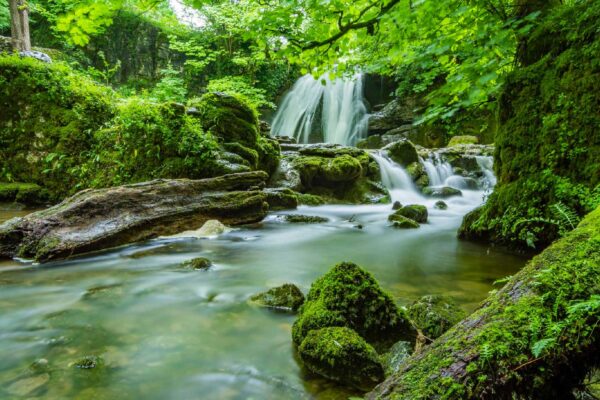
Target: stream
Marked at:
162, 332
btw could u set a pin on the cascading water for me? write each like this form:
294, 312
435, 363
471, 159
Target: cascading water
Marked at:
336, 105
438, 170
396, 179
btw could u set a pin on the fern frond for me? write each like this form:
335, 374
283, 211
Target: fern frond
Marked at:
567, 216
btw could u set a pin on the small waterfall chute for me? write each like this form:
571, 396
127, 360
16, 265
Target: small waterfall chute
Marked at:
396, 180
336, 105
438, 170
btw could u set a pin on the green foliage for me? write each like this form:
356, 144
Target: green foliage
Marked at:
4, 16
171, 86
240, 87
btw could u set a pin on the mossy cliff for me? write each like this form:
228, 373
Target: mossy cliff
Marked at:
64, 132
548, 142
535, 338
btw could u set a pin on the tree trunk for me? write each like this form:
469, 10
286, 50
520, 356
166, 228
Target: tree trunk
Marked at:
536, 338
19, 25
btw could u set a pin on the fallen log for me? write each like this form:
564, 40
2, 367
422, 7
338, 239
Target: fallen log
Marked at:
96, 219
533, 339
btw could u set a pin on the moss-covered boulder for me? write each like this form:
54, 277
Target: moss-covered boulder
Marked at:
304, 219
548, 141
337, 173
340, 354
403, 152
464, 139
440, 205
349, 296
417, 172
416, 212
29, 194
441, 192
434, 315
284, 297
401, 222
281, 199
198, 263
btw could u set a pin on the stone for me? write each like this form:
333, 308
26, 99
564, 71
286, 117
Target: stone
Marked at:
284, 297
464, 139
441, 205
349, 296
416, 212
434, 315
340, 354
103, 218
25, 386
397, 205
395, 357
38, 55
441, 192
401, 222
304, 219
402, 152
88, 362
199, 263
281, 199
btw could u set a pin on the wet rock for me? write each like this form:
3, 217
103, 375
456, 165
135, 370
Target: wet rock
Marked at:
402, 152
304, 219
211, 228
441, 205
401, 222
349, 296
198, 263
286, 175
88, 362
281, 199
441, 192
418, 174
340, 354
371, 142
398, 353
465, 139
397, 112
397, 205
434, 315
416, 212
23, 193
285, 297
102, 218
38, 55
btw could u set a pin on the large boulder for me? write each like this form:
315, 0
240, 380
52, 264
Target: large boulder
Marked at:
102, 218
349, 296
416, 212
396, 113
340, 354
403, 152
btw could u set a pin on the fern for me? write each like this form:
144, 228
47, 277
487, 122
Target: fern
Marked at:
567, 217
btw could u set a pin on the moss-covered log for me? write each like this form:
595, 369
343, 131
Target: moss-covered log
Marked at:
533, 339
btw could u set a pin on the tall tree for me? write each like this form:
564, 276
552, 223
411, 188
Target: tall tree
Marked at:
19, 25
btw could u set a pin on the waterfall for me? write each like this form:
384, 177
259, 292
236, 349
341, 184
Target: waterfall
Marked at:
336, 105
486, 163
396, 179
438, 170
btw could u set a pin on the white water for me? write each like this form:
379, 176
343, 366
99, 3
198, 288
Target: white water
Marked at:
343, 118
438, 170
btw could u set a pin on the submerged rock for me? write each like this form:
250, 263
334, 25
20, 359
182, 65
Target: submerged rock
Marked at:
398, 353
88, 362
284, 297
304, 219
349, 296
416, 212
401, 222
441, 205
441, 192
25, 386
434, 315
198, 263
340, 354
102, 218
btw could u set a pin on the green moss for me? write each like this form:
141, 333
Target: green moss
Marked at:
539, 332
286, 296
434, 315
416, 212
310, 199
349, 296
25, 193
441, 192
342, 355
304, 219
403, 152
464, 139
198, 263
548, 142
401, 222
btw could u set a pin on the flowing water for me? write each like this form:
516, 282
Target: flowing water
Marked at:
323, 110
168, 333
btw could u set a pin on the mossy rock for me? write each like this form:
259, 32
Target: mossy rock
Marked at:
464, 139
310, 199
371, 142
304, 219
227, 117
395, 357
88, 362
281, 199
401, 222
416, 212
402, 152
440, 205
349, 296
441, 192
198, 263
284, 297
418, 174
340, 354
434, 315
29, 194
